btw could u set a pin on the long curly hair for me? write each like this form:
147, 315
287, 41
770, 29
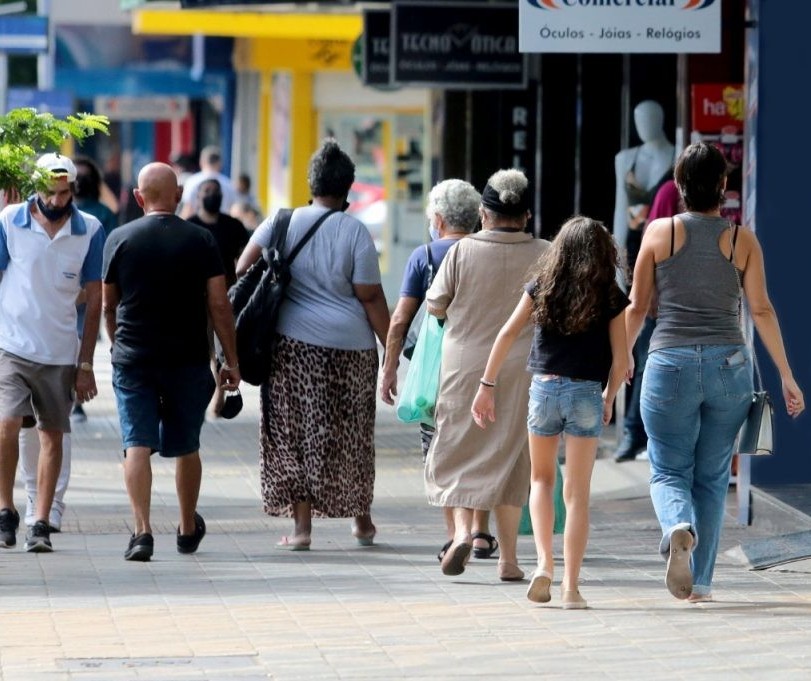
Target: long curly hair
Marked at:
573, 278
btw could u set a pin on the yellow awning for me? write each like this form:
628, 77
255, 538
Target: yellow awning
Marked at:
342, 27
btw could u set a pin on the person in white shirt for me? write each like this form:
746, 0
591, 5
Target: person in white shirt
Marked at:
210, 168
49, 251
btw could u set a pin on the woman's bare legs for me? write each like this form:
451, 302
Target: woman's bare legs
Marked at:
543, 451
580, 455
507, 520
302, 524
463, 524
447, 513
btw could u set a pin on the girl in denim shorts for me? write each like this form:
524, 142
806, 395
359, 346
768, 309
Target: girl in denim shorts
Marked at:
578, 360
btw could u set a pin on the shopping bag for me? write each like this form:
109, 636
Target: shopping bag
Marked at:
421, 385
757, 433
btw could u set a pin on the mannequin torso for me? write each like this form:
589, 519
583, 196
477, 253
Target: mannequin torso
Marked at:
639, 170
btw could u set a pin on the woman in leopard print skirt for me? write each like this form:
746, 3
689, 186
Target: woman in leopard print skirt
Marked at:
318, 404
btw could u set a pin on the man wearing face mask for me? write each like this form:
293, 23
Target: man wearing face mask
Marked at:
49, 250
229, 233
231, 237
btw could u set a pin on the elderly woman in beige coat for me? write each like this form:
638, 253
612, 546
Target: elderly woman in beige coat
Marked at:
474, 290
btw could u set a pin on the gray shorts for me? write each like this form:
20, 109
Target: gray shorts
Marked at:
45, 387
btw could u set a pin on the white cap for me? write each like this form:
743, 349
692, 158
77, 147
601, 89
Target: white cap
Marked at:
59, 165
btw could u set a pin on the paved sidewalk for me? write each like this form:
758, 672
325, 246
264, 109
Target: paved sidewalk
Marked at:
241, 609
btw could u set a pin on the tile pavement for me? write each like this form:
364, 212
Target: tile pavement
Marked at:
240, 609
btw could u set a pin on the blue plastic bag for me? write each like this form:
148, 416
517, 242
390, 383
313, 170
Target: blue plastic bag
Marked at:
421, 385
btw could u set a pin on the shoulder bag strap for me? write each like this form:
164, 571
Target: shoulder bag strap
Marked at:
430, 264
672, 235
734, 241
758, 378
290, 258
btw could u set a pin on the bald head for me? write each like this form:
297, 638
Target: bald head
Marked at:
157, 188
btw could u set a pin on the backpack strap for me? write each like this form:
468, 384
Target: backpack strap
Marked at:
281, 221
290, 258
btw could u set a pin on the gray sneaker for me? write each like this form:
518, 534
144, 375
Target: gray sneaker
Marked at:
38, 539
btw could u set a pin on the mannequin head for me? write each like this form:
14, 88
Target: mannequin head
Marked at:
649, 119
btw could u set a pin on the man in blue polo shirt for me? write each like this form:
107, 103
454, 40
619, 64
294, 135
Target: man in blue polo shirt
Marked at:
49, 250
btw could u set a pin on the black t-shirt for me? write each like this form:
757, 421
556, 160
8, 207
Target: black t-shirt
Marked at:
585, 355
231, 237
161, 265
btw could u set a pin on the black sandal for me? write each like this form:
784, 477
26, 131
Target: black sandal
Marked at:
481, 552
444, 550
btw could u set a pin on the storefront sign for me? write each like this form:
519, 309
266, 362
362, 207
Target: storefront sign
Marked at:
56, 102
375, 47
128, 108
24, 34
459, 45
634, 26
717, 107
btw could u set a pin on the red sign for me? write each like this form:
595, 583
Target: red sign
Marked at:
717, 107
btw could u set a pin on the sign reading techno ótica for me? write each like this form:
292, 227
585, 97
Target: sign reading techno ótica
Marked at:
681, 26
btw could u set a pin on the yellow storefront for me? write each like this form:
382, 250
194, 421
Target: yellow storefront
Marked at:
296, 85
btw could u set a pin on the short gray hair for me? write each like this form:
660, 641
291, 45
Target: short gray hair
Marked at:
457, 202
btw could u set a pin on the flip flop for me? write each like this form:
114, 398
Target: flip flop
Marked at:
455, 558
367, 539
679, 577
287, 545
489, 550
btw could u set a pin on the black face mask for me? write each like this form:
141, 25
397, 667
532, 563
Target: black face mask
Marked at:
212, 202
54, 214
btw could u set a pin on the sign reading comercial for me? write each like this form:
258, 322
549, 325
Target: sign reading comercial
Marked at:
459, 45
633, 26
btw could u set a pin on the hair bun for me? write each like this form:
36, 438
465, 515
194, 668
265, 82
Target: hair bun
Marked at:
508, 196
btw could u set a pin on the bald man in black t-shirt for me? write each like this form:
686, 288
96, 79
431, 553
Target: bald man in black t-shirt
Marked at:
163, 278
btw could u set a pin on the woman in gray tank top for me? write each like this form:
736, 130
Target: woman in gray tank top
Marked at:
697, 385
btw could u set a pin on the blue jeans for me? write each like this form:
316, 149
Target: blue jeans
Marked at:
694, 400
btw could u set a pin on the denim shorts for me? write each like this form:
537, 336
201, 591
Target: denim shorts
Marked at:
162, 408
565, 405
